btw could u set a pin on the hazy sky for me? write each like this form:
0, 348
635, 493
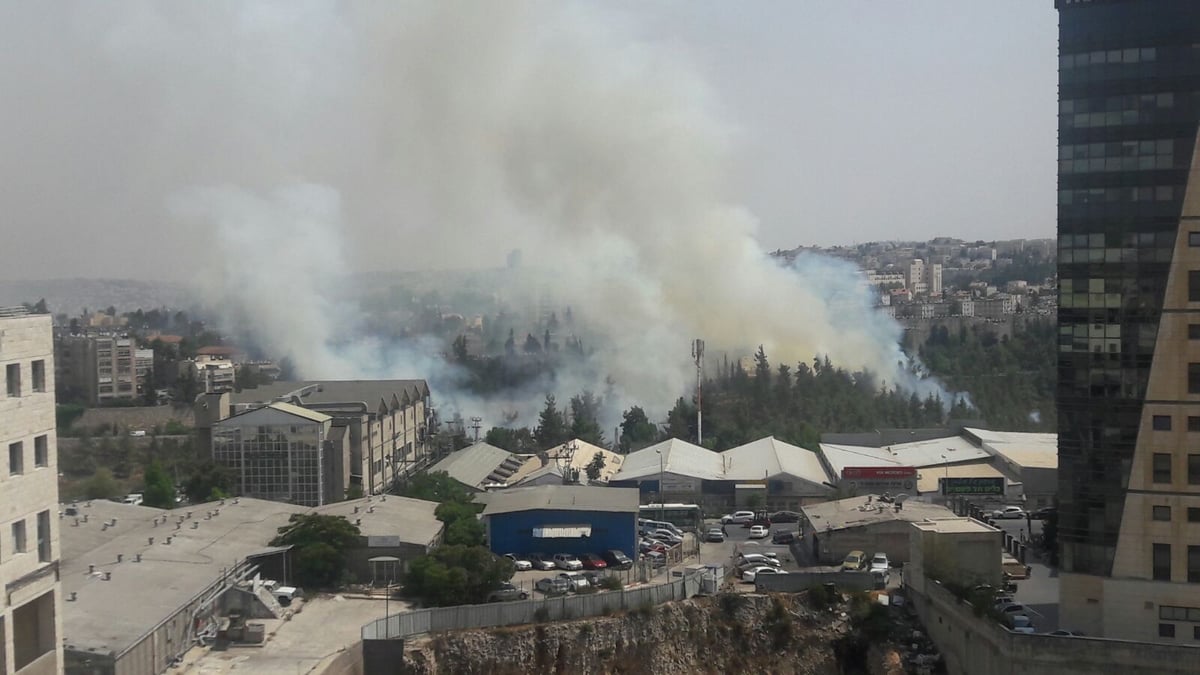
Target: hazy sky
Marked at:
844, 120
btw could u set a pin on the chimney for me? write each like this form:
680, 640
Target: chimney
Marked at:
108, 576
85, 518
137, 557
237, 500
104, 527
195, 524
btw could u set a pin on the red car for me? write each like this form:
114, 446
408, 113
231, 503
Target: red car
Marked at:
591, 561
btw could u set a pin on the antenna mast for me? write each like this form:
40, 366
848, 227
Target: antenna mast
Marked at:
698, 355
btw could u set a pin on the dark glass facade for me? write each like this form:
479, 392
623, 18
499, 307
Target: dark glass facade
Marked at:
1129, 103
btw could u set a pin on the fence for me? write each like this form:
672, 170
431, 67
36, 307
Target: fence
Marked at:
793, 582
561, 608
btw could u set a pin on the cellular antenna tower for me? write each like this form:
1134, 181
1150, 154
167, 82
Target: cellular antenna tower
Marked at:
698, 355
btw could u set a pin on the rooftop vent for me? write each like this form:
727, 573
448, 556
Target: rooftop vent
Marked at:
149, 541
72, 596
120, 557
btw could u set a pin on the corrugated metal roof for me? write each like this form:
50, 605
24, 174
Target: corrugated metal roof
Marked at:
562, 531
770, 457
479, 465
562, 498
677, 457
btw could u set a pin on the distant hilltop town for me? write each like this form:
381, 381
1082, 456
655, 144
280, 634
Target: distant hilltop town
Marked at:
952, 277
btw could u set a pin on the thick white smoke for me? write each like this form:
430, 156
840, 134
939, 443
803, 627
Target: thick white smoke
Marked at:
360, 136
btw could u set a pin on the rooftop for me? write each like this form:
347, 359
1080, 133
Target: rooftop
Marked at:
315, 392
482, 464
1030, 450
922, 453
868, 510
954, 525
583, 454
769, 456
928, 479
677, 457
562, 498
170, 574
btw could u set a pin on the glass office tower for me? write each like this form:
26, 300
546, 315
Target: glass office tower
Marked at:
1129, 315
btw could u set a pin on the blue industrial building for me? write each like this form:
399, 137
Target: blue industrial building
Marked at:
562, 519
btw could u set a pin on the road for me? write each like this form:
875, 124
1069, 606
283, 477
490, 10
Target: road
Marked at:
1040, 591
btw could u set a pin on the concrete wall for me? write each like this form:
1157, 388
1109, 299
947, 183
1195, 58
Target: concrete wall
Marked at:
890, 537
349, 662
794, 582
979, 646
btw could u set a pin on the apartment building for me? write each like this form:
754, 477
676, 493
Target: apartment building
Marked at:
30, 607
98, 369
1129, 319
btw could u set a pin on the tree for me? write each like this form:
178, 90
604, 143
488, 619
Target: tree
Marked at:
101, 485
456, 575
552, 428
637, 431
510, 345
160, 489
595, 466
461, 354
513, 440
287, 369
585, 424
319, 544
532, 346
437, 486
462, 524
209, 481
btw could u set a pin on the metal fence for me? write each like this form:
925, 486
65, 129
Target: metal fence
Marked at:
519, 612
794, 582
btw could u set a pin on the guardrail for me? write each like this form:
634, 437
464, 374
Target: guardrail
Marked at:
462, 617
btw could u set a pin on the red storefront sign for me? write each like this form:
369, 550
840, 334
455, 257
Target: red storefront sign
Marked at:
878, 472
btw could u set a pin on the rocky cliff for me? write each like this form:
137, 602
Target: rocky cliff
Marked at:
733, 633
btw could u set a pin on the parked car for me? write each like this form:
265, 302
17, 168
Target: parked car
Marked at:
664, 536
855, 560
753, 573
1044, 513
655, 558
1019, 623
567, 561
591, 561
758, 532
1009, 512
785, 517
134, 498
648, 545
738, 517
714, 534
1013, 568
1012, 608
759, 559
879, 562
520, 564
1067, 633
507, 593
577, 580
783, 537
553, 586
617, 559
541, 561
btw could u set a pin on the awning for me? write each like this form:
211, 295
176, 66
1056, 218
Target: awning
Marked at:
562, 531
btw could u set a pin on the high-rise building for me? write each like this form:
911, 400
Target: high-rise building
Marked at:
1129, 318
30, 607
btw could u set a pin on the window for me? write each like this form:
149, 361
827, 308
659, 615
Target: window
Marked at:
1166, 630
1194, 331
1193, 564
1193, 469
1193, 514
1161, 422
41, 451
43, 536
1196, 632
1162, 468
1194, 286
1193, 378
1162, 562
1193, 423
1193, 239
18, 536
39, 376
12, 374
1161, 513
16, 458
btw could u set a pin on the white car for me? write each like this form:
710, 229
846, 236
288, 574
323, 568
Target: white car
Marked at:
759, 559
1021, 624
567, 561
758, 532
879, 562
751, 574
518, 563
576, 579
738, 517
134, 498
1009, 512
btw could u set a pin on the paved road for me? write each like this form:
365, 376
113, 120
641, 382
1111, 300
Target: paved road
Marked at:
1040, 591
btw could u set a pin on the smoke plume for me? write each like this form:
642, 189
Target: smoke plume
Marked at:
343, 137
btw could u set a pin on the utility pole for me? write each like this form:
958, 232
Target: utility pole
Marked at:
698, 356
475, 424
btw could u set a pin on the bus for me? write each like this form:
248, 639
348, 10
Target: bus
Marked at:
683, 516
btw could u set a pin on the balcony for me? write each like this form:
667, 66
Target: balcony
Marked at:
46, 664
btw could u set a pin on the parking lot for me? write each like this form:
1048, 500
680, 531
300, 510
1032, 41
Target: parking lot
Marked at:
1040, 591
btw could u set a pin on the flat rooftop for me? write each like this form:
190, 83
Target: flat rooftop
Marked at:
210, 538
868, 510
561, 498
954, 525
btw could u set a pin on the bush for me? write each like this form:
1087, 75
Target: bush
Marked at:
611, 583
730, 603
824, 596
646, 609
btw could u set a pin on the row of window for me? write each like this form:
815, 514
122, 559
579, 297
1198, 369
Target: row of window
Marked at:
1163, 422
1106, 56
12, 377
1163, 514
1109, 195
1120, 156
1100, 241
1120, 118
1155, 101
1161, 563
1167, 630
16, 455
19, 541
1161, 468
